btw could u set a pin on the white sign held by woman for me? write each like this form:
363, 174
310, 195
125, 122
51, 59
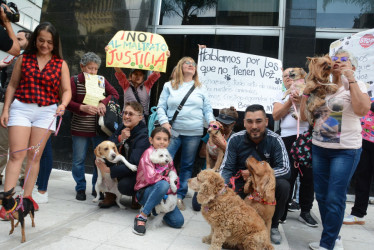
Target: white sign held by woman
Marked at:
238, 79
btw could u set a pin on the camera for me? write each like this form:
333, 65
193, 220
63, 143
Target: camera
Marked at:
13, 14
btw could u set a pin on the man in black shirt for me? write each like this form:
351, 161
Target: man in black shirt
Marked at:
8, 40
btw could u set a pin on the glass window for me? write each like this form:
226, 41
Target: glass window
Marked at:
219, 12
323, 46
345, 14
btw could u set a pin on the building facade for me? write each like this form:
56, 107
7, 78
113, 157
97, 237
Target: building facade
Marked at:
289, 30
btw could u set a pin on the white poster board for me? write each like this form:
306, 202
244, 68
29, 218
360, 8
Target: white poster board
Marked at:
361, 45
238, 79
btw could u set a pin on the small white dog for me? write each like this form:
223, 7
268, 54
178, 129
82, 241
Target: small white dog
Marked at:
107, 152
163, 157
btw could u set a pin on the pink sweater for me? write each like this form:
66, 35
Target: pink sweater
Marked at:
147, 174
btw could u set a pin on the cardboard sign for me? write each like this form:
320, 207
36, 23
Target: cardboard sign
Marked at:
238, 79
361, 46
137, 50
95, 89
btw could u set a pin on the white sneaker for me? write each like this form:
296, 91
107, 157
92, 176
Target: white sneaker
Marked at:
35, 190
352, 220
338, 245
40, 198
314, 245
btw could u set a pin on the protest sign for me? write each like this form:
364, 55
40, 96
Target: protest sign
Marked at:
238, 79
137, 50
361, 46
95, 89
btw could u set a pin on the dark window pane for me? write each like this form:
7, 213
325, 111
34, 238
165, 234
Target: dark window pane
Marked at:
345, 14
221, 12
323, 46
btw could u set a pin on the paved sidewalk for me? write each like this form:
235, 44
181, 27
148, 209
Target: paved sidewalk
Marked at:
65, 223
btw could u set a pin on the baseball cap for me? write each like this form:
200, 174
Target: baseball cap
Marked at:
225, 119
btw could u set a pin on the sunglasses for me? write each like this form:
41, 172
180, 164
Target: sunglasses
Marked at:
190, 63
126, 113
214, 126
342, 58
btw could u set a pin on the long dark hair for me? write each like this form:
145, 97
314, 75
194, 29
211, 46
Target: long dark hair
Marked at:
47, 26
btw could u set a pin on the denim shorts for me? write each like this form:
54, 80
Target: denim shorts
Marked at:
32, 115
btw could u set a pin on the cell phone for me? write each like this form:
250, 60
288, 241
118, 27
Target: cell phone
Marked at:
8, 59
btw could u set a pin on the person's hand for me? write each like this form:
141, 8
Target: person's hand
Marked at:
245, 174
101, 109
295, 98
3, 16
350, 74
61, 109
167, 126
219, 141
125, 134
3, 64
106, 48
4, 118
201, 46
89, 109
168, 53
102, 166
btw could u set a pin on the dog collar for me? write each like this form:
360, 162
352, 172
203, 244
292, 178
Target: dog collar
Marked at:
12, 209
255, 196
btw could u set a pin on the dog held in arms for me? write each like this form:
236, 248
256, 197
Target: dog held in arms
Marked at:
107, 152
318, 80
214, 155
260, 187
17, 212
232, 221
161, 158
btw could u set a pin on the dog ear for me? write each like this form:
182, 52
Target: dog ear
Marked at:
9, 193
96, 151
205, 194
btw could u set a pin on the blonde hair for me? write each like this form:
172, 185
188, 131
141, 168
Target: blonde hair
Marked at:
178, 81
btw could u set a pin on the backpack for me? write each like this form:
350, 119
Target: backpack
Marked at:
301, 150
153, 120
112, 119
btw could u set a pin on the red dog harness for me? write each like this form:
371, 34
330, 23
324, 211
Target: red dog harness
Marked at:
257, 197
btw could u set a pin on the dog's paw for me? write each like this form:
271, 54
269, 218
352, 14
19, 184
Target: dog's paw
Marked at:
207, 239
96, 199
132, 167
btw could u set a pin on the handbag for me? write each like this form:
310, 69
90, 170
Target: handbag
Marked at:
109, 122
153, 119
301, 149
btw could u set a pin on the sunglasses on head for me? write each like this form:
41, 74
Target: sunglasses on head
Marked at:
126, 113
342, 58
214, 126
190, 63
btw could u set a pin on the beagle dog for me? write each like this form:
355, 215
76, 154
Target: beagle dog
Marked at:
107, 152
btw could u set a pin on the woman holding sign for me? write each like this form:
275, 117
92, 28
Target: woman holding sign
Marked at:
38, 90
86, 108
334, 161
187, 127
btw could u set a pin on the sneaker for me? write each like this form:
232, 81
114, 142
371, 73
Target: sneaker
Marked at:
81, 195
338, 245
3, 214
180, 205
352, 220
139, 225
275, 236
40, 198
307, 218
293, 207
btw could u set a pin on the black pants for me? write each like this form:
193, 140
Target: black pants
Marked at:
363, 177
306, 191
282, 189
127, 182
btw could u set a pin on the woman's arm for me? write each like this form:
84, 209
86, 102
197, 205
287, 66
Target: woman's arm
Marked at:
65, 89
360, 101
162, 107
11, 89
281, 109
151, 80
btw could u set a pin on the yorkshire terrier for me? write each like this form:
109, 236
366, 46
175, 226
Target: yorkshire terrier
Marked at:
14, 211
318, 79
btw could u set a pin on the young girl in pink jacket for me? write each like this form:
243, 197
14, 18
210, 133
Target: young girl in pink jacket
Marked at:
152, 184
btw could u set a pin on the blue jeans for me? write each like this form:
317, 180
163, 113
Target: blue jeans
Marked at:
332, 173
80, 146
152, 196
46, 163
189, 145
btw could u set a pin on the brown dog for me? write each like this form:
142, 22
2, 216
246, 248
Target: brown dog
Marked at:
261, 189
231, 220
214, 155
318, 80
17, 212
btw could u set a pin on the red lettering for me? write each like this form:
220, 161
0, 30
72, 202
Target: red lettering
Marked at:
123, 35
145, 59
129, 57
136, 57
111, 53
161, 59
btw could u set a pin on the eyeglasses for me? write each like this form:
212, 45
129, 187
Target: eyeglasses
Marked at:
290, 75
214, 126
190, 63
342, 58
126, 113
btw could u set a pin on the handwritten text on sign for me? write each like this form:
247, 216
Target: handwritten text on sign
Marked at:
361, 46
238, 79
137, 50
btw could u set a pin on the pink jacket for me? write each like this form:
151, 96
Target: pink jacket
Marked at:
147, 173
